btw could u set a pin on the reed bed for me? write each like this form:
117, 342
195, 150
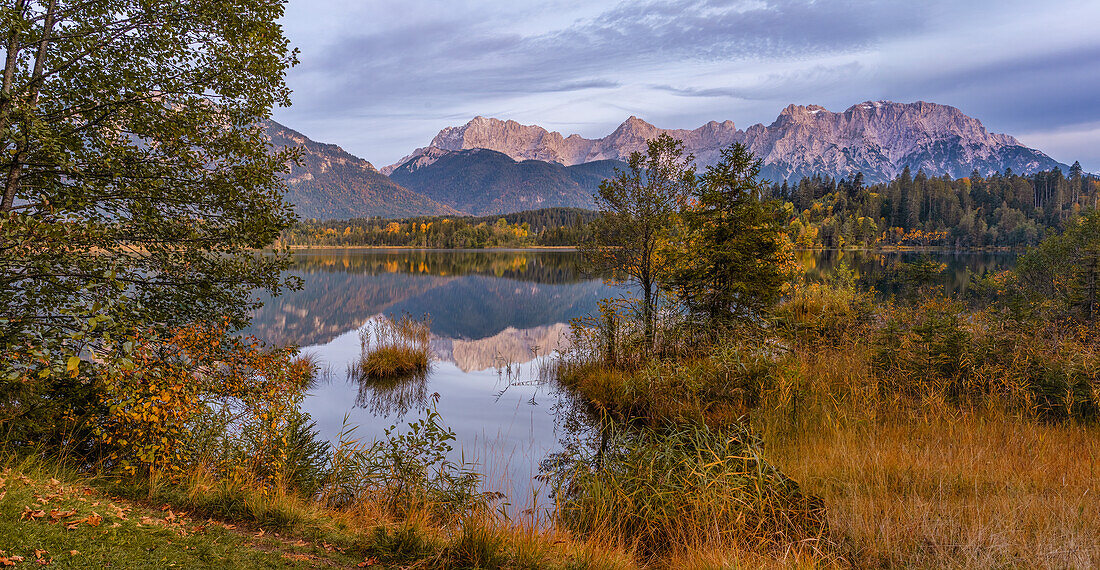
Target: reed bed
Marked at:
688, 489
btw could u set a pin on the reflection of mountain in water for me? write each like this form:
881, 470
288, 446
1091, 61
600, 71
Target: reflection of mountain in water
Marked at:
468, 296
509, 346
479, 307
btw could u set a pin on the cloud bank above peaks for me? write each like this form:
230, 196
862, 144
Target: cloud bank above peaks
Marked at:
380, 78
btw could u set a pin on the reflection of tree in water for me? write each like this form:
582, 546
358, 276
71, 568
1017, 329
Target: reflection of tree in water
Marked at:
389, 396
536, 266
883, 270
581, 434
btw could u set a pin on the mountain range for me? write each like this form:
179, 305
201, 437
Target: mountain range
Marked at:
877, 138
490, 166
484, 182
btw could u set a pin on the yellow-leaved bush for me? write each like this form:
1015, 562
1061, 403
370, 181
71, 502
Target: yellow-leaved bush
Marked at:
201, 397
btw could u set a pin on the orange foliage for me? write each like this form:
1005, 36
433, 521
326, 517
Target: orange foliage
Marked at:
155, 399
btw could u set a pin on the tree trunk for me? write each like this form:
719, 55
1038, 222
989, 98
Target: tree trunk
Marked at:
35, 86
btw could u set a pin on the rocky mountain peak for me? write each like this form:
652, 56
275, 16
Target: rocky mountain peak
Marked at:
878, 138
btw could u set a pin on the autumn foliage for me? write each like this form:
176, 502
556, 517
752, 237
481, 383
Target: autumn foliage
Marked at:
164, 405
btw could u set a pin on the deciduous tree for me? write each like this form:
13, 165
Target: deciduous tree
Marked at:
137, 181
637, 207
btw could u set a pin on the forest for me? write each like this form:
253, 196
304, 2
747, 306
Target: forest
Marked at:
1003, 210
545, 227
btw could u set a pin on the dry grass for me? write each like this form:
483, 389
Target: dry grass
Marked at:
658, 493
366, 530
394, 348
932, 484
715, 387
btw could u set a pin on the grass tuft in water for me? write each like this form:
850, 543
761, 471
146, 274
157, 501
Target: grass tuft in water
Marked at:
394, 348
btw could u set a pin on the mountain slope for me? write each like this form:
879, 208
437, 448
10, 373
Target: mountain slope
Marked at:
877, 138
483, 182
328, 183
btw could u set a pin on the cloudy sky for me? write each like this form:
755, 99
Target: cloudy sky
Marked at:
382, 77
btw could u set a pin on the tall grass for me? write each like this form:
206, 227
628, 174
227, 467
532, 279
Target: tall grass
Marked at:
686, 489
393, 348
941, 435
935, 433
922, 481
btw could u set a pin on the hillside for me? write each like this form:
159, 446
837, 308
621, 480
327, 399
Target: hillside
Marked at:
484, 182
329, 183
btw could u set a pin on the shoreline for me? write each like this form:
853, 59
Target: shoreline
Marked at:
572, 248
296, 248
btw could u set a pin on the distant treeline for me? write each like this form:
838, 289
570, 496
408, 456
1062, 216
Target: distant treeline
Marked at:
1005, 210
545, 227
1002, 210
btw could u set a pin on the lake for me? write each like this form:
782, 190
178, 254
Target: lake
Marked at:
497, 317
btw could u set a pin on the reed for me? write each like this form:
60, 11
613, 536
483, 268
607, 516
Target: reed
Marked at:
393, 348
684, 489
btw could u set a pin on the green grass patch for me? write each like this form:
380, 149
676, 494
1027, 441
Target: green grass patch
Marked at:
49, 518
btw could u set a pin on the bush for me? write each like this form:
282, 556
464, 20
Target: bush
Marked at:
405, 473
822, 314
166, 405
1046, 369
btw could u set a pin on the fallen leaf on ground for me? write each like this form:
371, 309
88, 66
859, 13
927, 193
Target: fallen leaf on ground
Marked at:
57, 514
31, 514
74, 552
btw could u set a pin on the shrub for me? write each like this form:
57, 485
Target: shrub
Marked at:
405, 473
1047, 369
823, 314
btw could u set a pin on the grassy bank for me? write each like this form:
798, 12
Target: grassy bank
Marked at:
51, 515
932, 484
929, 431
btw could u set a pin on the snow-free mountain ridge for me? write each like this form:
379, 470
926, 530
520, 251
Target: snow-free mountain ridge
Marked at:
877, 138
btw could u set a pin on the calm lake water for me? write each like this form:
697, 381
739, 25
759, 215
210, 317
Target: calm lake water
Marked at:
496, 318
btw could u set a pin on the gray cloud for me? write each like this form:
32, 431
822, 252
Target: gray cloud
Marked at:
387, 78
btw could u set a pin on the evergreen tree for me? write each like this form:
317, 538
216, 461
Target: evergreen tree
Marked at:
735, 257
